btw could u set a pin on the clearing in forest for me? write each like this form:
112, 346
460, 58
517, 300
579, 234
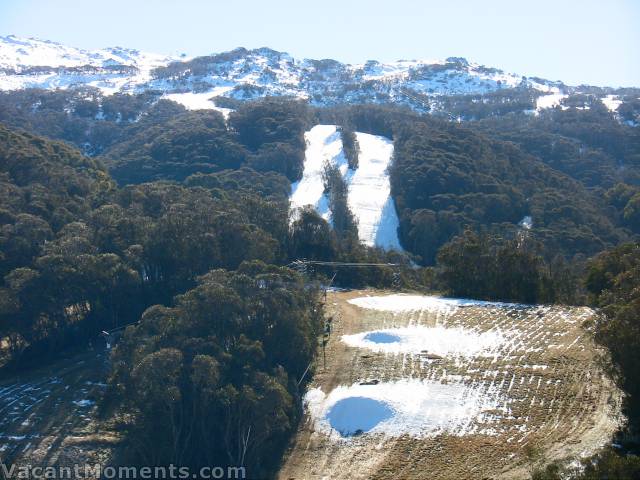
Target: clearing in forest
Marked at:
425, 387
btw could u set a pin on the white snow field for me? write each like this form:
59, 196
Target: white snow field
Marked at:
407, 303
418, 408
201, 101
105, 69
323, 145
369, 191
550, 100
417, 339
612, 102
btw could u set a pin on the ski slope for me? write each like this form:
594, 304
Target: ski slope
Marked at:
369, 191
413, 386
201, 101
412, 407
323, 145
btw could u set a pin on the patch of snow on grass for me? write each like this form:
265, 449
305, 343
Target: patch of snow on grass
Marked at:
408, 303
418, 408
440, 341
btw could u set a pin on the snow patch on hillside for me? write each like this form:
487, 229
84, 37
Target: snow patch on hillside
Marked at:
550, 100
408, 303
612, 102
418, 408
369, 196
437, 340
201, 101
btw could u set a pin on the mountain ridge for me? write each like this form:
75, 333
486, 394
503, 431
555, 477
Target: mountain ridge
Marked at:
243, 74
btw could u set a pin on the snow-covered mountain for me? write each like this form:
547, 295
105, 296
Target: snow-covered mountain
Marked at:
242, 74
29, 62
203, 82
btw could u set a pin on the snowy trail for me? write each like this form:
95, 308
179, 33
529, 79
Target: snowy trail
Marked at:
201, 101
323, 145
369, 191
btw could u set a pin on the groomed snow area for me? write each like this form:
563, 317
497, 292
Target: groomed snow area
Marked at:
413, 406
408, 303
201, 101
369, 196
323, 145
437, 340
418, 408
370, 193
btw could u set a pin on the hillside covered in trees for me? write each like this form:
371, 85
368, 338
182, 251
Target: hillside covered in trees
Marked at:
132, 211
193, 266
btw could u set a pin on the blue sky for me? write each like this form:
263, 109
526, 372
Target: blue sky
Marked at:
577, 41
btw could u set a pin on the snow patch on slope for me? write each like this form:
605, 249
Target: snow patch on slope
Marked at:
612, 102
201, 101
369, 196
437, 340
418, 408
550, 100
409, 303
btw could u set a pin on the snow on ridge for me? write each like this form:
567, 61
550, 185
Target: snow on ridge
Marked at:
16, 52
70, 66
369, 196
256, 73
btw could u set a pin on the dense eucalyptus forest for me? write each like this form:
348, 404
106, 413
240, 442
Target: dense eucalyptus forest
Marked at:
132, 211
